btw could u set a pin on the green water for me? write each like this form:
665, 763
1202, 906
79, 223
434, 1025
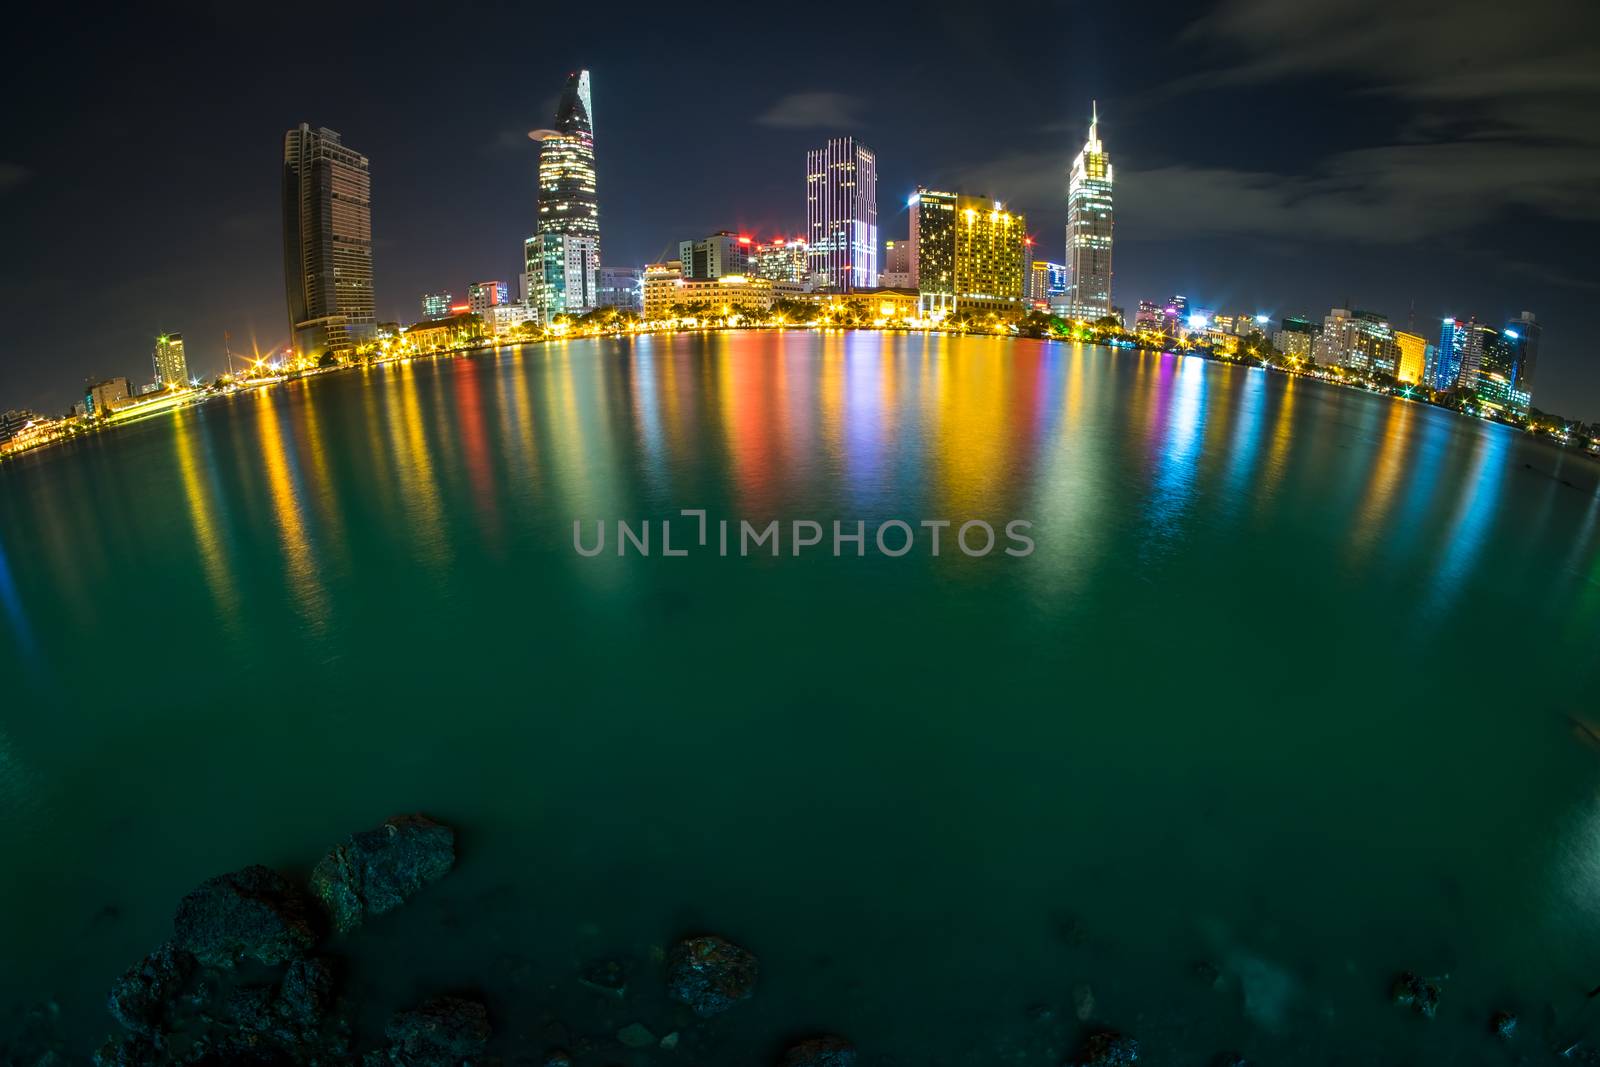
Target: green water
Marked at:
1282, 688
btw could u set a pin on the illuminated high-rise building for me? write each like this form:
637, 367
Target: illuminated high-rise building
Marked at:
970, 254
1413, 356
327, 242
436, 305
172, 369
842, 215
1525, 332
1088, 294
481, 296
1047, 282
1447, 361
1474, 337
563, 255
780, 260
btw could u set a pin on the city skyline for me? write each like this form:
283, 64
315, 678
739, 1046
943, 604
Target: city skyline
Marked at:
1228, 240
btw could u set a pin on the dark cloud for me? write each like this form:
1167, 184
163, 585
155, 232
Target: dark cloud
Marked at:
808, 111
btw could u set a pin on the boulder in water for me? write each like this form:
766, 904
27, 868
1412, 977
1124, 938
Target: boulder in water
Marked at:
253, 913
376, 871
829, 1050
1108, 1049
710, 974
1504, 1023
141, 997
441, 1033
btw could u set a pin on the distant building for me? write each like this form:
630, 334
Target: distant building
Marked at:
327, 242
563, 255
665, 286
896, 273
12, 422
842, 214
1495, 381
172, 369
1447, 363
970, 254
436, 305
1148, 317
713, 256
1413, 356
1294, 337
103, 397
779, 260
1525, 332
1474, 336
1047, 282
481, 296
1362, 342
658, 288
1089, 224
620, 289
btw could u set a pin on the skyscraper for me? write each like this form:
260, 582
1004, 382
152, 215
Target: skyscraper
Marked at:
1088, 294
435, 305
1525, 331
172, 369
842, 215
1413, 356
1447, 361
327, 242
715, 255
563, 255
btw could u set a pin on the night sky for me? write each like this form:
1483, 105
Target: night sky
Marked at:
1269, 155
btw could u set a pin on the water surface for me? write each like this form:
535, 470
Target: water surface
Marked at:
1283, 688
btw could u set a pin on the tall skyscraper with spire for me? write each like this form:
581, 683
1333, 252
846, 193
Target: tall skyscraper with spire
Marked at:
1088, 294
563, 255
327, 242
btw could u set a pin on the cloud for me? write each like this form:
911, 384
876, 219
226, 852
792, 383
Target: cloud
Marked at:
1493, 113
13, 175
806, 111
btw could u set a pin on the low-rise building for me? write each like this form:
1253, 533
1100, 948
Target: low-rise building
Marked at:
620, 287
668, 294
102, 398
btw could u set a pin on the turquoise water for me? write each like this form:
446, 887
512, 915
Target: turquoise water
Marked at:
1283, 688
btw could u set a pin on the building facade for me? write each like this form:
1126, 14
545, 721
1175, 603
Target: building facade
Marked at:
481, 296
1524, 331
1047, 282
842, 215
436, 305
562, 258
1447, 361
780, 260
103, 397
620, 288
667, 293
1413, 356
171, 367
970, 254
1089, 222
717, 254
327, 243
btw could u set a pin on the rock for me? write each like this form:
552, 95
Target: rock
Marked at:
254, 912
306, 993
670, 1042
1229, 1059
1208, 974
830, 1050
606, 976
135, 1050
635, 1036
1042, 1013
140, 998
710, 975
1418, 994
376, 871
1504, 1023
443, 1032
1108, 1049
557, 1058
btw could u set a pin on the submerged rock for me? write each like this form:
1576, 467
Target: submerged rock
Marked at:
830, 1050
140, 999
1229, 1059
135, 1050
441, 1033
254, 912
1504, 1023
1418, 994
710, 974
1083, 1002
376, 871
635, 1036
1108, 1049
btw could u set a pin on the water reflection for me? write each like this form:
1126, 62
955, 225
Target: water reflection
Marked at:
1474, 515
202, 505
298, 551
